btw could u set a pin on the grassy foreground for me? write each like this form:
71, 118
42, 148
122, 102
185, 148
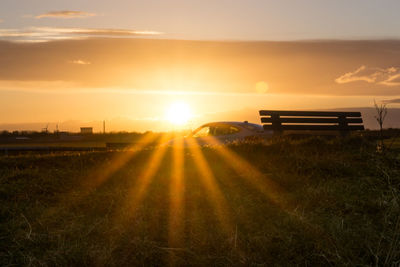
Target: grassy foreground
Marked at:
311, 202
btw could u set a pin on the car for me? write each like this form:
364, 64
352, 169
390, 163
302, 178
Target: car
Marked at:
224, 132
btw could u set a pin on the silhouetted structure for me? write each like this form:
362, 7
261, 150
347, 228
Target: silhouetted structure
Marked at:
283, 120
86, 130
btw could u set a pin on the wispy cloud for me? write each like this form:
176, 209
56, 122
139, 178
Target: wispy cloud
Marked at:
393, 80
80, 62
357, 75
392, 101
96, 31
65, 14
36, 85
37, 34
389, 76
20, 33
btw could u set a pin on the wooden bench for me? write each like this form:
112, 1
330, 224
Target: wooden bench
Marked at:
284, 120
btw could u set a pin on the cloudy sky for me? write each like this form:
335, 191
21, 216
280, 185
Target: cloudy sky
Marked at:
129, 60
216, 20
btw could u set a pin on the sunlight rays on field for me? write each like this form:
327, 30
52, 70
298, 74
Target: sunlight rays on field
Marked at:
177, 205
179, 148
217, 199
183, 191
271, 190
166, 162
102, 174
138, 191
177, 190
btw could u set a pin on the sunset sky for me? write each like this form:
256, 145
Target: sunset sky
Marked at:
128, 62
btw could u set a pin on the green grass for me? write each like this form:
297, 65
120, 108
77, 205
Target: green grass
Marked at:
332, 203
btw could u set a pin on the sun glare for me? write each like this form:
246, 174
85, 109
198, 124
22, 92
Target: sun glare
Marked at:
178, 113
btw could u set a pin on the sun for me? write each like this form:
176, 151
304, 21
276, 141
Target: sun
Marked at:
178, 113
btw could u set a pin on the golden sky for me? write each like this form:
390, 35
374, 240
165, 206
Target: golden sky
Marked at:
137, 79
319, 67
131, 62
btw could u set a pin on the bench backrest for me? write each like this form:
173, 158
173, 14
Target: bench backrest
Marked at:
283, 120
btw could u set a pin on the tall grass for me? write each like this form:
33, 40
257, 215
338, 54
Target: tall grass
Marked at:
337, 204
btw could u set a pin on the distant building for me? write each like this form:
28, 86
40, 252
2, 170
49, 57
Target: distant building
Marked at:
86, 130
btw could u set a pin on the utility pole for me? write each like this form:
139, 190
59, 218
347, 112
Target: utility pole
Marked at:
104, 127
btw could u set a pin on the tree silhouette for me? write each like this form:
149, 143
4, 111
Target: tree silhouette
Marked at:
381, 112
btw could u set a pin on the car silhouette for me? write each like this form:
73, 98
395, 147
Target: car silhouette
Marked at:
224, 132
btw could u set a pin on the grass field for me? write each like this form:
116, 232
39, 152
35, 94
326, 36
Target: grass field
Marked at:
309, 202
56, 144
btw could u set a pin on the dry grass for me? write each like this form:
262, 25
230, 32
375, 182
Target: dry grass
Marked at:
306, 202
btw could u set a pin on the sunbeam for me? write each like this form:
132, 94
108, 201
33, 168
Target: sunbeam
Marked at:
218, 200
102, 174
176, 210
269, 189
260, 181
138, 191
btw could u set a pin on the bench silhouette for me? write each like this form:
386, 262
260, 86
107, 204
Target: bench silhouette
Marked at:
284, 120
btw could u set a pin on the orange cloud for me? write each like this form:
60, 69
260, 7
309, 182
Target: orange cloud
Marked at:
37, 85
80, 62
392, 101
65, 14
389, 76
42, 34
97, 31
197, 66
393, 80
